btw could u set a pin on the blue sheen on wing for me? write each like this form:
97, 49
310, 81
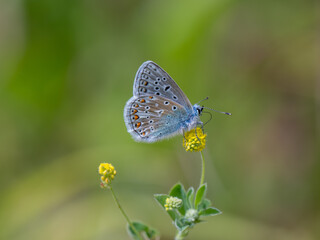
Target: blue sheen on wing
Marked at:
158, 109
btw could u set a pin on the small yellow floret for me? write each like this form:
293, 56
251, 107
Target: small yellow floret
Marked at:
172, 202
194, 140
107, 172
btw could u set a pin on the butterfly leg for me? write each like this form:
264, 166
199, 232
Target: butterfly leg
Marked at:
195, 130
184, 138
202, 126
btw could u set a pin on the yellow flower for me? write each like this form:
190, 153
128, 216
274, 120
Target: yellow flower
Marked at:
172, 202
194, 140
107, 172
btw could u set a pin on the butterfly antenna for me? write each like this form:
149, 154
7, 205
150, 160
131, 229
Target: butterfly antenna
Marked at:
218, 111
209, 118
203, 100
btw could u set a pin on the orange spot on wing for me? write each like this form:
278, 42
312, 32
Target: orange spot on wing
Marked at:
150, 97
143, 134
135, 110
136, 117
135, 105
138, 124
142, 101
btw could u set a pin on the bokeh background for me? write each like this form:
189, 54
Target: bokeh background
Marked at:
67, 70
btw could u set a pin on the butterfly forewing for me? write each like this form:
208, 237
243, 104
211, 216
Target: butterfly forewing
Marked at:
152, 80
152, 118
158, 109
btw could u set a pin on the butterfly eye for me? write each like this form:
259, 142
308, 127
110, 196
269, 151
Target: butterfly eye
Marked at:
167, 88
157, 93
174, 108
175, 97
156, 88
166, 102
147, 107
156, 83
151, 121
164, 79
158, 78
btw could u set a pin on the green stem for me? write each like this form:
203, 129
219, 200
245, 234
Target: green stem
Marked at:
124, 214
181, 234
203, 169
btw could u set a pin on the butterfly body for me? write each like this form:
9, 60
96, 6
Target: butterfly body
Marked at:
158, 109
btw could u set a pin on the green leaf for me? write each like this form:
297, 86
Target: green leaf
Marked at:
180, 225
190, 197
201, 193
179, 192
210, 212
204, 204
141, 227
161, 199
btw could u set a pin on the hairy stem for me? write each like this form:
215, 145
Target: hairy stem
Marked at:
181, 234
203, 168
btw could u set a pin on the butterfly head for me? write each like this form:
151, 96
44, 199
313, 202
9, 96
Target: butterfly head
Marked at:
198, 109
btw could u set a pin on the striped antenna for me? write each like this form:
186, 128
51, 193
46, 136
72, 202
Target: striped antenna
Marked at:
203, 100
218, 111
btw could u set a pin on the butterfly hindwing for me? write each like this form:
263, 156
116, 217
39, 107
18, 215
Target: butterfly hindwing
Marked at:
152, 80
152, 118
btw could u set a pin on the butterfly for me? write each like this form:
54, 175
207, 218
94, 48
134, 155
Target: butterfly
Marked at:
158, 109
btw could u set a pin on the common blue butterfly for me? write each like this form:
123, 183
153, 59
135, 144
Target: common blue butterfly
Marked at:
158, 109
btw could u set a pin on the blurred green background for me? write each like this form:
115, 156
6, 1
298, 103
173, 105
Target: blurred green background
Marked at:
67, 70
